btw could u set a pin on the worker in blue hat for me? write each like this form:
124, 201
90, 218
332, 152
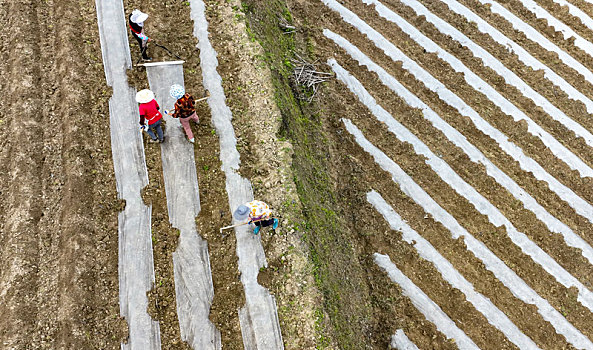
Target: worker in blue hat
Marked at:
258, 213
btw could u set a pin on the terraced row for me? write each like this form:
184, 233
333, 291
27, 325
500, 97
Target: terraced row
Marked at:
459, 139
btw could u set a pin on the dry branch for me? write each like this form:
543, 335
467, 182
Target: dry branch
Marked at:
286, 28
308, 75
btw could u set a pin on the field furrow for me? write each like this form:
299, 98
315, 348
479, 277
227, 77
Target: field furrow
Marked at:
526, 163
483, 151
475, 155
453, 277
544, 109
19, 277
476, 262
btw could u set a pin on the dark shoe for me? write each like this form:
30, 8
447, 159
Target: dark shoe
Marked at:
163, 140
153, 141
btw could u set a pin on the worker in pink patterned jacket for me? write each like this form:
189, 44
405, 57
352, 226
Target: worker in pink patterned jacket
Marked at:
258, 213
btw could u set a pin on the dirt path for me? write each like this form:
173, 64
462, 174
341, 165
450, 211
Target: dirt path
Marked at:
193, 279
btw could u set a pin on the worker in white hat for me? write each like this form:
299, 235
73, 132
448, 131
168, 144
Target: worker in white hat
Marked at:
136, 21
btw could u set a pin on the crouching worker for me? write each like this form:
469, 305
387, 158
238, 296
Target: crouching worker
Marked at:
258, 213
185, 109
149, 112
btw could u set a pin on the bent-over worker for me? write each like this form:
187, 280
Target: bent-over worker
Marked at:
258, 213
136, 21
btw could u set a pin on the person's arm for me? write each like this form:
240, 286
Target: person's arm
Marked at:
251, 216
137, 30
176, 111
143, 36
142, 114
142, 125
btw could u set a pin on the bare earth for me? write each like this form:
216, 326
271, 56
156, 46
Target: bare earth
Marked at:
58, 207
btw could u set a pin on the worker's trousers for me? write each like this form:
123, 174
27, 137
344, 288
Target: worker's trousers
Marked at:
185, 123
159, 130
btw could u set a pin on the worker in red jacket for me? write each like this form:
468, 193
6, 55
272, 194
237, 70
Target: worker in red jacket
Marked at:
149, 113
136, 21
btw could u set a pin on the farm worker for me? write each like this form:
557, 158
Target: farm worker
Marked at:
184, 109
136, 21
258, 213
149, 112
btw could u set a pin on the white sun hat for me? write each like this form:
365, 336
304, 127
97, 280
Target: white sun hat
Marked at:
144, 96
138, 16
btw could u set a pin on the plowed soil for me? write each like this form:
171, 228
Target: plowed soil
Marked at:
58, 223
356, 173
58, 213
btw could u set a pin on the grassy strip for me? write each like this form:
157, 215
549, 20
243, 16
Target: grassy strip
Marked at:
337, 271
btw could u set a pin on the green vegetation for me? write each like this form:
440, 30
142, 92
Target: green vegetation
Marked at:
337, 270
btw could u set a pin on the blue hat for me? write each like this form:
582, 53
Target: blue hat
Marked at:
177, 91
242, 212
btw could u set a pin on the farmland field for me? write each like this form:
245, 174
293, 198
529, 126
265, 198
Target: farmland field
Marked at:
436, 189
460, 145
